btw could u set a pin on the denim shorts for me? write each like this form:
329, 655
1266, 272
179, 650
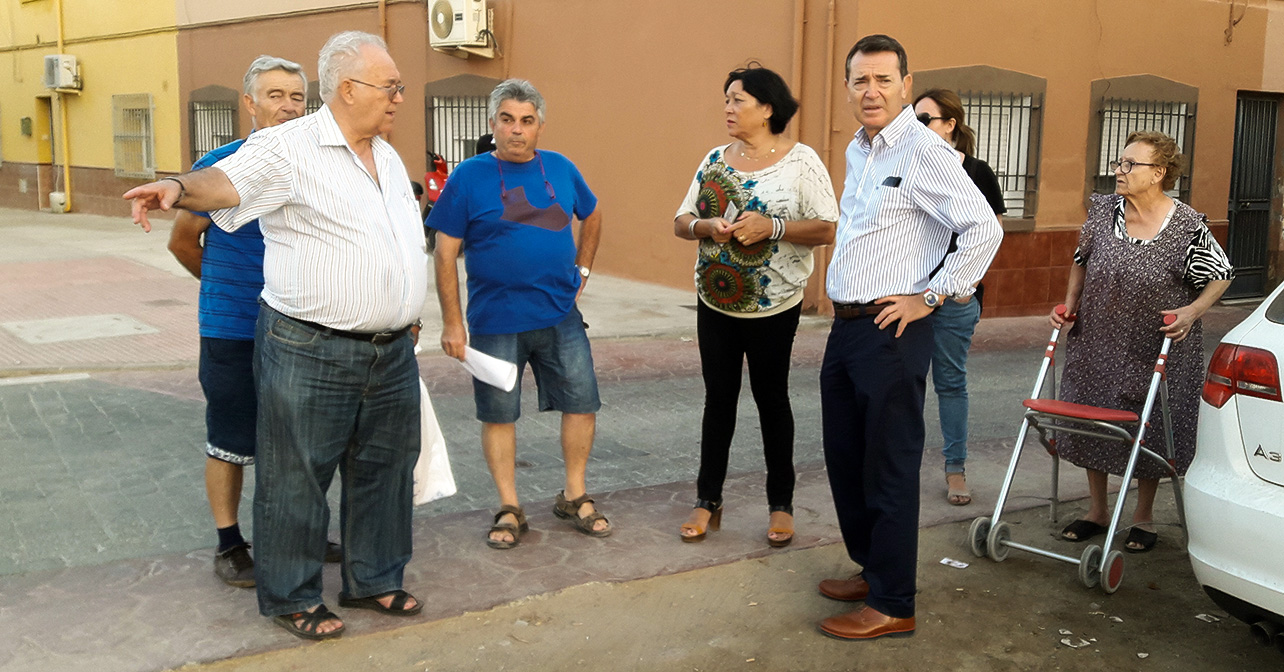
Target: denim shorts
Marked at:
231, 405
562, 363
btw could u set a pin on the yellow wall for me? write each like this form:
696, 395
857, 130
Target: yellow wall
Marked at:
123, 46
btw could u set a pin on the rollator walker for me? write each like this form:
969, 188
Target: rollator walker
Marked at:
1097, 565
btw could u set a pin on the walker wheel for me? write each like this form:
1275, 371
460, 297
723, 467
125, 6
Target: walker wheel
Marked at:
994, 542
1114, 573
1090, 566
976, 536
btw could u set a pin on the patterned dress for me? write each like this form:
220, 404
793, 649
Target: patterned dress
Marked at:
766, 277
1111, 349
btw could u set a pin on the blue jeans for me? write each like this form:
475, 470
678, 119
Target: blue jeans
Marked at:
953, 324
328, 402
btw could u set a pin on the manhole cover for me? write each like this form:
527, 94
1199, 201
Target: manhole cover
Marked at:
79, 328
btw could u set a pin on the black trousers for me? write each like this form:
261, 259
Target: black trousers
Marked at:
871, 398
725, 343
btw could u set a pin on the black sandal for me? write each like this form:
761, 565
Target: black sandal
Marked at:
1143, 539
1082, 530
311, 620
395, 608
569, 509
516, 530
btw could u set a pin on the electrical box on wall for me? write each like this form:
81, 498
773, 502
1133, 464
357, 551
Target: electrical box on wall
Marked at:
61, 72
461, 27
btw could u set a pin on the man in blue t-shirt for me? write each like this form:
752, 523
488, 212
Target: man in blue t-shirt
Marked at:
513, 208
230, 268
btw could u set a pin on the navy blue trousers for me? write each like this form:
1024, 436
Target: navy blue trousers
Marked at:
871, 398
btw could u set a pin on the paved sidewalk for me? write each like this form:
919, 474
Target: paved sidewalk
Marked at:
106, 560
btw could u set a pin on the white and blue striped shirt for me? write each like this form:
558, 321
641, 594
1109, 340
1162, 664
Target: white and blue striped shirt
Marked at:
904, 194
342, 250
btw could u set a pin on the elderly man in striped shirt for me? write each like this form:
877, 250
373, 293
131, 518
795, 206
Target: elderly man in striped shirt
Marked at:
345, 278
905, 193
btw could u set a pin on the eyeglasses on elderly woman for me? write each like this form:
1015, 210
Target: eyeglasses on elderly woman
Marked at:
1124, 166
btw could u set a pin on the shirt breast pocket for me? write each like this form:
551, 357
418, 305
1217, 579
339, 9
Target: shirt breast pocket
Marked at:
891, 203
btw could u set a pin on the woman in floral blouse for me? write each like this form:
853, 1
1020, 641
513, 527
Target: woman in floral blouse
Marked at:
757, 206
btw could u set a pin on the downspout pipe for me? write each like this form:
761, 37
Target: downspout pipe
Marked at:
800, 20
62, 112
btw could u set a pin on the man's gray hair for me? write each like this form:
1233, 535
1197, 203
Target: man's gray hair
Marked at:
519, 90
266, 63
339, 55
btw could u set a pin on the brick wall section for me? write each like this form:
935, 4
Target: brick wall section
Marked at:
1030, 272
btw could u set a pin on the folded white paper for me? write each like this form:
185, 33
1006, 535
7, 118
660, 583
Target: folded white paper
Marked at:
490, 370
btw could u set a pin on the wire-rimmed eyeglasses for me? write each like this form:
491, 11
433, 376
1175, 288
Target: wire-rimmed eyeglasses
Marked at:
392, 89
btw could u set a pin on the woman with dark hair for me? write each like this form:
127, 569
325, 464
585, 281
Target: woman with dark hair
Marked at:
757, 206
955, 320
1141, 255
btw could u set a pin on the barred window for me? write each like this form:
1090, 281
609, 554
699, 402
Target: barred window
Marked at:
1007, 129
457, 123
313, 104
135, 148
1120, 117
213, 124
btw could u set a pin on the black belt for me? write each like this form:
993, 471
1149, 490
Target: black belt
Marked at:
852, 311
378, 338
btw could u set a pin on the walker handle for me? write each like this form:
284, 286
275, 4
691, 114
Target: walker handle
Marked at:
1062, 311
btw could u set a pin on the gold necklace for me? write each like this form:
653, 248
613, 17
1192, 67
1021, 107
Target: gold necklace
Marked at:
758, 158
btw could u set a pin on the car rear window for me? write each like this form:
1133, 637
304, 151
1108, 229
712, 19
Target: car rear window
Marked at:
1275, 312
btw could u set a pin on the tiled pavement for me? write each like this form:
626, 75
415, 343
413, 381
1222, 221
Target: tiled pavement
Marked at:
104, 531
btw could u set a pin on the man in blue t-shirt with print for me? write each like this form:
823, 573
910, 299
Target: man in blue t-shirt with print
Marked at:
230, 268
513, 208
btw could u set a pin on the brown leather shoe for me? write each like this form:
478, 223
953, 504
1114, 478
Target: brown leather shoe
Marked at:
847, 590
866, 623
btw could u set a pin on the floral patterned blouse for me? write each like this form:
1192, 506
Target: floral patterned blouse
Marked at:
766, 277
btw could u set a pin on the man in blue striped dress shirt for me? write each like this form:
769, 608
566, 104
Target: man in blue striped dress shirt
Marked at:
904, 195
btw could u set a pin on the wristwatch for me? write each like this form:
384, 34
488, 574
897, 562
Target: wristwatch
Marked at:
932, 299
584, 271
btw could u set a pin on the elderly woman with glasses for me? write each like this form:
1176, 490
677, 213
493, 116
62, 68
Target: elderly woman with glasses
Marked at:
955, 320
1141, 255
756, 206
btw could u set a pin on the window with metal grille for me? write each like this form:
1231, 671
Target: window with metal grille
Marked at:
213, 124
135, 148
1008, 127
1120, 117
313, 105
457, 123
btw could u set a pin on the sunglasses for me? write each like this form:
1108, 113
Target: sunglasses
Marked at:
926, 119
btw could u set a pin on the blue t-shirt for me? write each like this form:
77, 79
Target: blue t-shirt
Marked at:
231, 271
521, 271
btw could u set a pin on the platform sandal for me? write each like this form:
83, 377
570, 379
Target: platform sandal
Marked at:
715, 522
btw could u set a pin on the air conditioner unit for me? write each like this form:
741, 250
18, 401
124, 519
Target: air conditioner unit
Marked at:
458, 23
61, 72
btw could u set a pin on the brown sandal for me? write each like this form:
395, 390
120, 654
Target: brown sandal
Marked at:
781, 543
958, 497
515, 530
715, 522
570, 509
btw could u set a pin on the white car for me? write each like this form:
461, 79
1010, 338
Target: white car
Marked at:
1234, 491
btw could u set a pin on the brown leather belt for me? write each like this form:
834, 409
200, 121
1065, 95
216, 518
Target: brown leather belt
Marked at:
852, 311
377, 338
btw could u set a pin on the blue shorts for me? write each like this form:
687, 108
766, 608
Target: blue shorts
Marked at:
562, 363
231, 404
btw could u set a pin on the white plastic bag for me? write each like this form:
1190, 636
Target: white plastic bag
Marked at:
433, 478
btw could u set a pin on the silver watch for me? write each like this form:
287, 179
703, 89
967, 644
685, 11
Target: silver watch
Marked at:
584, 271
932, 299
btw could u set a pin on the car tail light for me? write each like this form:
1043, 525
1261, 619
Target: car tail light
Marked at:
1239, 369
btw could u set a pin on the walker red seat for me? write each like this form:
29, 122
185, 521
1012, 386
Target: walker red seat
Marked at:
1080, 411
1048, 416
